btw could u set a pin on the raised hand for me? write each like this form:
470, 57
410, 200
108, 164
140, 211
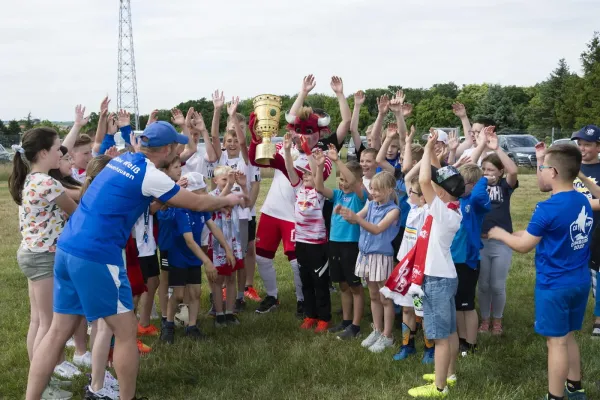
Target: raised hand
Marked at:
392, 131
409, 138
337, 85
462, 161
197, 122
232, 107
135, 142
177, 117
432, 140
112, 127
241, 178
80, 120
359, 98
112, 152
407, 109
287, 142
319, 157
308, 83
540, 150
189, 116
153, 117
453, 141
459, 110
397, 101
218, 99
332, 153
383, 104
104, 104
123, 118
492, 141
442, 153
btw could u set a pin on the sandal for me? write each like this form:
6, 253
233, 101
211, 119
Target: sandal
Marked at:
485, 326
497, 327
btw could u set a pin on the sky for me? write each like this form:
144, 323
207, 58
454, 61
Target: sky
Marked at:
56, 54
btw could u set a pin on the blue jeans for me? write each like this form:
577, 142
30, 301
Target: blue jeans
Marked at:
439, 309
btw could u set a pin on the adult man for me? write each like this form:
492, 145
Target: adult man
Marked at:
471, 132
90, 278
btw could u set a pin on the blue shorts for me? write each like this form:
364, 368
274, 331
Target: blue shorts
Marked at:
83, 287
439, 309
560, 311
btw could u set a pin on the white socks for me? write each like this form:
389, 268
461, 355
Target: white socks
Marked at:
297, 280
268, 275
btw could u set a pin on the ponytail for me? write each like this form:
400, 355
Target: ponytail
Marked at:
16, 180
94, 167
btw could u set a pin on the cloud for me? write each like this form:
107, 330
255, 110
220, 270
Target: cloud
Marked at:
60, 53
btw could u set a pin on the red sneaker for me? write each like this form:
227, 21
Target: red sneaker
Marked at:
251, 294
149, 330
308, 323
143, 348
322, 326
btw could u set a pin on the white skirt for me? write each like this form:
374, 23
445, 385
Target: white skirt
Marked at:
374, 267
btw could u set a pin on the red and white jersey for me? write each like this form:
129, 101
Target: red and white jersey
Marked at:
78, 174
281, 197
308, 211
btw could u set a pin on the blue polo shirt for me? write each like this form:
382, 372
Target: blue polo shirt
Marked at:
186, 221
342, 230
98, 229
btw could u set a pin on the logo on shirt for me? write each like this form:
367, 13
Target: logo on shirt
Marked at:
468, 208
580, 230
581, 188
496, 194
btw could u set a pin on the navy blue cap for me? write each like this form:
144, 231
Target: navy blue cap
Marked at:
589, 133
161, 133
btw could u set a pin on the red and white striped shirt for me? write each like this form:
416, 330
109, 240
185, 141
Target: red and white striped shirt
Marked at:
308, 212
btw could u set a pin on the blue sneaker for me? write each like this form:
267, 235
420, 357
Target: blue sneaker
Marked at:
577, 395
404, 352
429, 356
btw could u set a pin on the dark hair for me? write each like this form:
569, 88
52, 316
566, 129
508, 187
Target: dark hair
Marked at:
485, 121
67, 181
33, 141
493, 159
82, 140
319, 111
176, 158
566, 159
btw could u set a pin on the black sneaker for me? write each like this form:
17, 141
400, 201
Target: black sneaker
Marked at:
220, 321
300, 310
193, 332
268, 304
240, 305
349, 333
231, 319
167, 334
337, 328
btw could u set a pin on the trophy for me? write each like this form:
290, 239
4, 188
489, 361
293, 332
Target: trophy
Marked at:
267, 108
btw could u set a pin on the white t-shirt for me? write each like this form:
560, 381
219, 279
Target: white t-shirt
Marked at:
414, 222
143, 232
78, 174
367, 184
443, 229
252, 175
310, 225
198, 162
470, 151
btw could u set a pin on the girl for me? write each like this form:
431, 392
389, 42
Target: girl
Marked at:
63, 175
496, 257
379, 224
43, 211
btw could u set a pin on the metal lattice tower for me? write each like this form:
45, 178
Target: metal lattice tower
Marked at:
126, 82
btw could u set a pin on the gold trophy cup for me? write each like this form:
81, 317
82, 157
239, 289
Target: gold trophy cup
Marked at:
267, 108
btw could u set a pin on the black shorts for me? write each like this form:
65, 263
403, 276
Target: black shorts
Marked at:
185, 276
164, 260
342, 262
251, 229
397, 242
467, 287
149, 266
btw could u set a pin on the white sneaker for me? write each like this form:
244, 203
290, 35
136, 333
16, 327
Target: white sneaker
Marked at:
381, 344
154, 315
52, 393
371, 339
104, 393
84, 360
66, 370
58, 384
70, 343
183, 316
111, 382
89, 329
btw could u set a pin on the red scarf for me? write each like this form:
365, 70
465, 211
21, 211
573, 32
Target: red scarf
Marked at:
411, 269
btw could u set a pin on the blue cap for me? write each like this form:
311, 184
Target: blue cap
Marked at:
589, 133
161, 133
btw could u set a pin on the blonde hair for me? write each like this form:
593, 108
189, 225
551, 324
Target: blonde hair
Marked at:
94, 167
369, 129
239, 118
414, 182
304, 113
471, 173
385, 181
222, 170
416, 150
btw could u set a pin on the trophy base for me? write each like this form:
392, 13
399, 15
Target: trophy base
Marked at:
265, 153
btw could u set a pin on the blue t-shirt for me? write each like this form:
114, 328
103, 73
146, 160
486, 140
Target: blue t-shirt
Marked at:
564, 222
467, 242
98, 229
109, 140
394, 162
342, 230
185, 221
166, 225
402, 195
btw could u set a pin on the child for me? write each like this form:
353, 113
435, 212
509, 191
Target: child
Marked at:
440, 282
343, 242
474, 205
379, 221
82, 154
311, 239
496, 257
228, 222
369, 167
185, 261
560, 231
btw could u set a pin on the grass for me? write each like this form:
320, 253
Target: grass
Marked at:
268, 357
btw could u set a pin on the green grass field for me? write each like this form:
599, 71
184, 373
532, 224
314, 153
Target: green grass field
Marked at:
268, 357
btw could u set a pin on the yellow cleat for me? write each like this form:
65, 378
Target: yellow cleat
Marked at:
451, 380
429, 392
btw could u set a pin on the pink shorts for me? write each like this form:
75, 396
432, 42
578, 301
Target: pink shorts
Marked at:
271, 231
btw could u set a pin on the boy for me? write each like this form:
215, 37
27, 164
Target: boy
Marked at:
81, 154
440, 282
368, 164
560, 231
343, 242
474, 204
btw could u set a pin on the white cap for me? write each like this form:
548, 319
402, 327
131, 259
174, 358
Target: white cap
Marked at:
442, 136
195, 181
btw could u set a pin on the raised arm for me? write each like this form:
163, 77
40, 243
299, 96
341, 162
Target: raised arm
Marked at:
400, 111
359, 99
218, 102
193, 136
408, 141
390, 135
289, 162
102, 126
482, 140
540, 155
452, 146
308, 84
510, 168
383, 106
338, 88
461, 112
239, 132
319, 181
425, 169
79, 122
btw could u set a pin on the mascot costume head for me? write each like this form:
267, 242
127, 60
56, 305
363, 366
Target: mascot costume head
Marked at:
309, 126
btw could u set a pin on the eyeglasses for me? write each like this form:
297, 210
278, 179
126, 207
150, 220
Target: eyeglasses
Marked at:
543, 167
410, 191
67, 158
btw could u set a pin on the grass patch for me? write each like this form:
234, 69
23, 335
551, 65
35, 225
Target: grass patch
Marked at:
268, 357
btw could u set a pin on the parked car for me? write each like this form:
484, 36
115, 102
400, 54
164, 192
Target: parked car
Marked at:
564, 141
520, 148
5, 155
351, 153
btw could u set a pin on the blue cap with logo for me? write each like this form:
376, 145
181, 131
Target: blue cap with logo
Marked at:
589, 133
161, 133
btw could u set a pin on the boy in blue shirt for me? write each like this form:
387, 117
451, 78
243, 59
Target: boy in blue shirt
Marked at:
343, 242
561, 228
465, 248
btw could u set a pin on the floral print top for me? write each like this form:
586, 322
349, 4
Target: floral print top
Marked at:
40, 219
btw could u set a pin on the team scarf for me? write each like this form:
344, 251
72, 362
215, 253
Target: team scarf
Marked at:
411, 269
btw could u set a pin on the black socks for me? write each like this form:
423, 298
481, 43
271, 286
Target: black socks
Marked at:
552, 397
573, 386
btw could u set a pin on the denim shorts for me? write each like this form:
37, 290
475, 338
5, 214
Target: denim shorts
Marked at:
35, 266
439, 309
560, 311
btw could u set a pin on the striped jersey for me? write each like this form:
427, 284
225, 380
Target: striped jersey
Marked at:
308, 213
